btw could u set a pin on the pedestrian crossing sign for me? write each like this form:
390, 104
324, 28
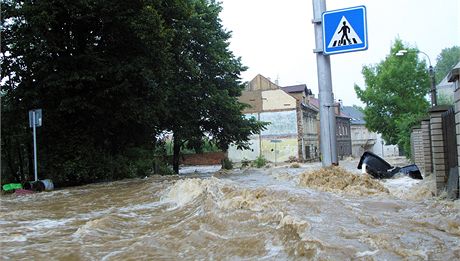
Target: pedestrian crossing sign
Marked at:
344, 30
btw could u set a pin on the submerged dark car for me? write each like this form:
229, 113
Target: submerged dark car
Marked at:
380, 169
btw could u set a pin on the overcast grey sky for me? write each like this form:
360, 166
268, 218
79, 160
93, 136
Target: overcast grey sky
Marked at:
276, 38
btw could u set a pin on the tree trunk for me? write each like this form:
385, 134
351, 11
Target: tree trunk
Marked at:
176, 153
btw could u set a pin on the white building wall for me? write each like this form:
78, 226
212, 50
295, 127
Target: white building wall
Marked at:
388, 150
283, 129
253, 152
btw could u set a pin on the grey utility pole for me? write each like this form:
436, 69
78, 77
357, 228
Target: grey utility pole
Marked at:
35, 120
328, 137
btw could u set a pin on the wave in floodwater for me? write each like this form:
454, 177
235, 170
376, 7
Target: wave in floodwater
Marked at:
270, 214
336, 179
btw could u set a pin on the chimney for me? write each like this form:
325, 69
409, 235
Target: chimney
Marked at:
338, 106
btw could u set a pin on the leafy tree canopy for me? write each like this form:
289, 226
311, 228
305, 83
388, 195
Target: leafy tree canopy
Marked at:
110, 76
205, 84
447, 59
394, 94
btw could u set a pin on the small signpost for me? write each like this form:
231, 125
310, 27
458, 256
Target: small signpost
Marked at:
35, 120
345, 30
275, 141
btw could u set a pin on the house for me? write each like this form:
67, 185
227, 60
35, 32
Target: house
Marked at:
343, 134
445, 91
364, 140
342, 125
361, 138
308, 123
289, 135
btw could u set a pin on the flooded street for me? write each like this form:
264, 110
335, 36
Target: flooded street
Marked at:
280, 213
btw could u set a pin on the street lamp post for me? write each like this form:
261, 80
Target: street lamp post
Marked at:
431, 73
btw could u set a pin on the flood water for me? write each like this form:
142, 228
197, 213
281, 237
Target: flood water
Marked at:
252, 214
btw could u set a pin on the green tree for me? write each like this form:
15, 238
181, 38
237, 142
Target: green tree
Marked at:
394, 95
95, 68
447, 59
204, 83
110, 76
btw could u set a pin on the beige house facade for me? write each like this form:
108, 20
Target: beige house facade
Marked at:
291, 133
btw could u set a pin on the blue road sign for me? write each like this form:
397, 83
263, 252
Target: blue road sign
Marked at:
345, 30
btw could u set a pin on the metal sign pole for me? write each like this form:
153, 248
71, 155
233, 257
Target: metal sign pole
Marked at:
326, 111
35, 144
276, 152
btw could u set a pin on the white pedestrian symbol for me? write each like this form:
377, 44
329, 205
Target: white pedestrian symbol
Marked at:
344, 35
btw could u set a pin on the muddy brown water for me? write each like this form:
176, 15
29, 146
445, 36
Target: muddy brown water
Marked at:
251, 214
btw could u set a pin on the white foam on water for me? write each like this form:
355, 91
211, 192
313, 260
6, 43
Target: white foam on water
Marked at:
288, 220
405, 187
88, 227
112, 254
366, 253
96, 213
215, 235
284, 176
46, 223
199, 169
139, 207
184, 191
13, 238
273, 250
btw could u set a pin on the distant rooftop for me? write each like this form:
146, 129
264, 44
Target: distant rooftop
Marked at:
297, 88
454, 73
357, 116
444, 84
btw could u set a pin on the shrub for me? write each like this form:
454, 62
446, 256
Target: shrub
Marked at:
227, 163
164, 169
140, 161
260, 162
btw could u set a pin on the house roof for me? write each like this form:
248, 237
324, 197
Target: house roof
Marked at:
454, 73
357, 116
308, 106
296, 89
314, 102
445, 84
261, 83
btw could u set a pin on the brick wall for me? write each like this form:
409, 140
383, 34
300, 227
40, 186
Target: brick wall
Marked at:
417, 147
457, 126
209, 158
427, 165
437, 148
